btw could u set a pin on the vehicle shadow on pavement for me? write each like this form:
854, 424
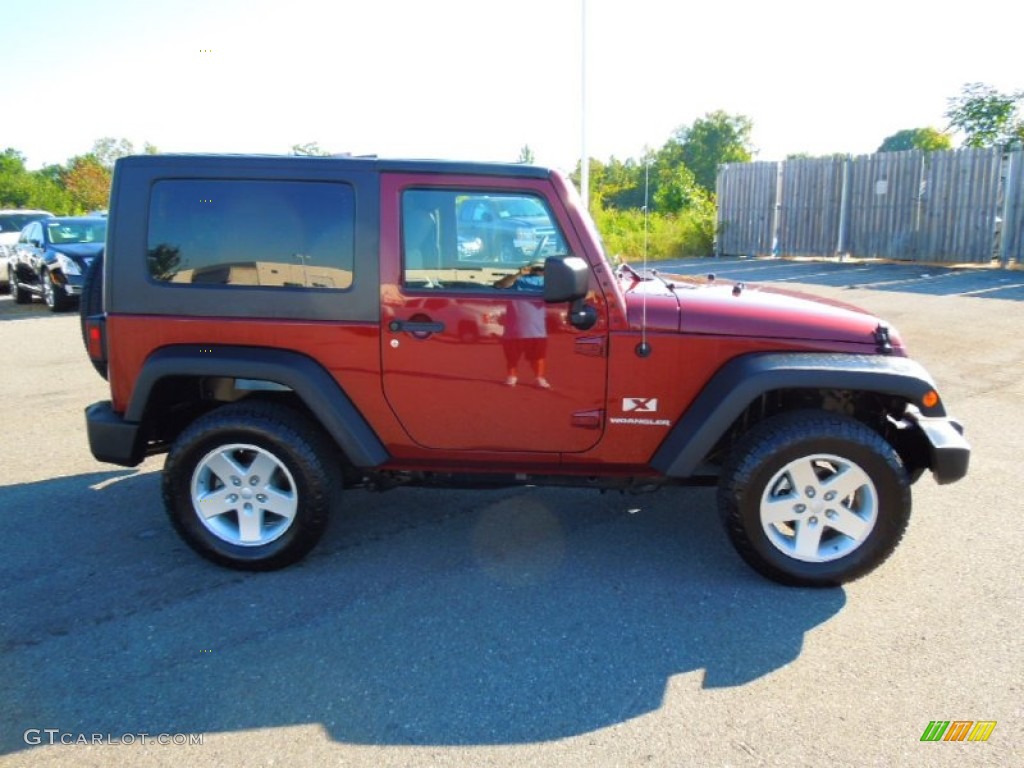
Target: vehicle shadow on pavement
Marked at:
425, 617
10, 310
930, 279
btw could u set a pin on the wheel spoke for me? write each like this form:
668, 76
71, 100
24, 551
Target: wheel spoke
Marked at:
808, 537
847, 482
778, 511
281, 503
224, 467
214, 503
263, 467
803, 476
850, 524
250, 525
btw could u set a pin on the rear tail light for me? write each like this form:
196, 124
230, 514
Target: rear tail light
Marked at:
96, 337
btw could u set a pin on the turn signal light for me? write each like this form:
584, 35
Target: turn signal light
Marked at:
930, 399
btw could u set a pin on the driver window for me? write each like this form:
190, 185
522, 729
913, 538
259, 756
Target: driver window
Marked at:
476, 240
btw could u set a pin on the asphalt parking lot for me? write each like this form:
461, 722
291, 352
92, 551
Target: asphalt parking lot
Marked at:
519, 627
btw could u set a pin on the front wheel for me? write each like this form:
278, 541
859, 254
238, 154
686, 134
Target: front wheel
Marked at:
250, 486
54, 295
814, 499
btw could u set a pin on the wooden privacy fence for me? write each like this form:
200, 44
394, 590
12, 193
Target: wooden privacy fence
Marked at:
961, 206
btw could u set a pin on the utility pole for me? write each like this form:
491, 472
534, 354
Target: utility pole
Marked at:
584, 157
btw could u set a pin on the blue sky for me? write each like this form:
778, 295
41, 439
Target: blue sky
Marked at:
473, 79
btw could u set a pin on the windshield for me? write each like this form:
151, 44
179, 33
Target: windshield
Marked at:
71, 232
520, 207
15, 222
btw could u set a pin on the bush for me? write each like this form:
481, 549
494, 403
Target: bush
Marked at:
669, 236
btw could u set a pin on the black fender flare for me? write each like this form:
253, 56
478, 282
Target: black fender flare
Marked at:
743, 379
307, 378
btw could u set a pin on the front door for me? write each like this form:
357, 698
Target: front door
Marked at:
473, 359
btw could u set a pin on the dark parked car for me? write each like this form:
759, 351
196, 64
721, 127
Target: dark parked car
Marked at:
51, 257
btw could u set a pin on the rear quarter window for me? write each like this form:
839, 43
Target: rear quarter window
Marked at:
277, 234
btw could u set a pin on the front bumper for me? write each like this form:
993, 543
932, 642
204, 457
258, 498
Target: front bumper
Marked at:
949, 453
112, 439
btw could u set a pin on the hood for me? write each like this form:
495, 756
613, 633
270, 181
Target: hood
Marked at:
725, 308
80, 252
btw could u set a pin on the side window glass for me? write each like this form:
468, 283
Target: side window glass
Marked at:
477, 240
279, 234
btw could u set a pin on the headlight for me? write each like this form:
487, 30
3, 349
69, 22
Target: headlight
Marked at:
471, 247
68, 265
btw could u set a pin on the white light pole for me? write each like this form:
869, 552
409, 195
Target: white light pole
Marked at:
584, 158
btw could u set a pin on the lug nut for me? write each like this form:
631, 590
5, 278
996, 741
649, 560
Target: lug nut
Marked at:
254, 480
232, 498
830, 495
235, 481
800, 508
813, 520
830, 514
261, 498
809, 492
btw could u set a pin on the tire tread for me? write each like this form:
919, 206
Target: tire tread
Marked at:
783, 432
309, 449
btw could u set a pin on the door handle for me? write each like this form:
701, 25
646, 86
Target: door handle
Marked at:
415, 327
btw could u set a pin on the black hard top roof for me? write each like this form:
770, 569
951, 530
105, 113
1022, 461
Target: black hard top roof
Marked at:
349, 162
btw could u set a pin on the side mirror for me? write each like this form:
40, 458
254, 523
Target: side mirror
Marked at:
568, 280
565, 279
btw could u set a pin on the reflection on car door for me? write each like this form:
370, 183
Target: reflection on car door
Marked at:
450, 336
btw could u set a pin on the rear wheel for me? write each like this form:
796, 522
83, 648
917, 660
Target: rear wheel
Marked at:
814, 499
250, 486
21, 296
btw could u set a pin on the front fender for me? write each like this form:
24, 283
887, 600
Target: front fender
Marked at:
743, 379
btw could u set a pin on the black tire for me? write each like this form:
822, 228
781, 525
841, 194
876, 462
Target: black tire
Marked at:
759, 483
91, 303
21, 296
300, 467
54, 295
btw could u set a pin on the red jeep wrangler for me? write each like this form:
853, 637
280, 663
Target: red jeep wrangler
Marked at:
284, 327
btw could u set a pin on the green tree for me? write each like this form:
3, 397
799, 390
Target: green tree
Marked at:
677, 189
712, 140
987, 117
526, 155
107, 150
20, 188
309, 149
15, 181
926, 139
